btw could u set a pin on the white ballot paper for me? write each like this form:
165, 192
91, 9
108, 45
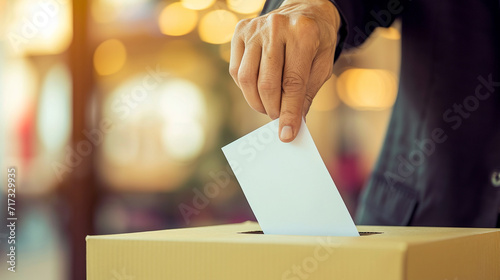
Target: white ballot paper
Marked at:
287, 184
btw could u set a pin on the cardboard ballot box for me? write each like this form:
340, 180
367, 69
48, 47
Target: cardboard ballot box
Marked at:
239, 251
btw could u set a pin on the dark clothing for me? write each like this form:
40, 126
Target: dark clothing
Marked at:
440, 163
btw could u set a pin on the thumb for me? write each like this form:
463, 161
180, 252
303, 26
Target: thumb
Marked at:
290, 116
298, 62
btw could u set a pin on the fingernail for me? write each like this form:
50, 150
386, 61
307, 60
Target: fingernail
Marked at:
286, 133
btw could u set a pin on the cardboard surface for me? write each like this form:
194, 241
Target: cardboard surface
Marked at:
223, 252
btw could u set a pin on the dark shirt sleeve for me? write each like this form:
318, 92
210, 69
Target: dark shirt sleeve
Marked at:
359, 18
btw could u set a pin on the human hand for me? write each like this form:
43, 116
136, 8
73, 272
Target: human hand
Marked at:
280, 60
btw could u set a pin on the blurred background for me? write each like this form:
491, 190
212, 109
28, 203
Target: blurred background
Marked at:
113, 113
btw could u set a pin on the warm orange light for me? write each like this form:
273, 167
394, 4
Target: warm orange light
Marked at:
177, 20
225, 51
103, 12
390, 33
326, 99
197, 4
107, 11
217, 27
180, 57
109, 57
367, 89
245, 6
43, 28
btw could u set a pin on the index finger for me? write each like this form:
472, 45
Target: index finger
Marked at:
237, 50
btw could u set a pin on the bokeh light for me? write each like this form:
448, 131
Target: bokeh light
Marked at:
122, 143
181, 100
183, 141
155, 137
125, 3
197, 4
103, 12
183, 108
326, 99
245, 6
225, 52
217, 27
18, 83
177, 20
109, 57
111, 11
54, 126
390, 33
39, 29
367, 89
179, 56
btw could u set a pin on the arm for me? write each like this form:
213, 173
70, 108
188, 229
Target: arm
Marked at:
361, 17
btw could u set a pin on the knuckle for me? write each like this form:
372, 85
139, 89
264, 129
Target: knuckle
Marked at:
291, 112
245, 79
233, 71
306, 23
293, 83
308, 29
276, 18
243, 27
268, 87
254, 40
275, 24
308, 99
242, 24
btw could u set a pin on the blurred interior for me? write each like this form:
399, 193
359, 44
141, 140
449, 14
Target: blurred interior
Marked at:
114, 113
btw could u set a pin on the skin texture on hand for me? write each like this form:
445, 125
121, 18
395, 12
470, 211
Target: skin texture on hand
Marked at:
280, 60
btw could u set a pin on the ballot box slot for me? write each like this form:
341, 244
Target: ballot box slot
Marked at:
361, 233
366, 233
252, 232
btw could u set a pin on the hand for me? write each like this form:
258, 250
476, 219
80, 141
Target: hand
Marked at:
281, 60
